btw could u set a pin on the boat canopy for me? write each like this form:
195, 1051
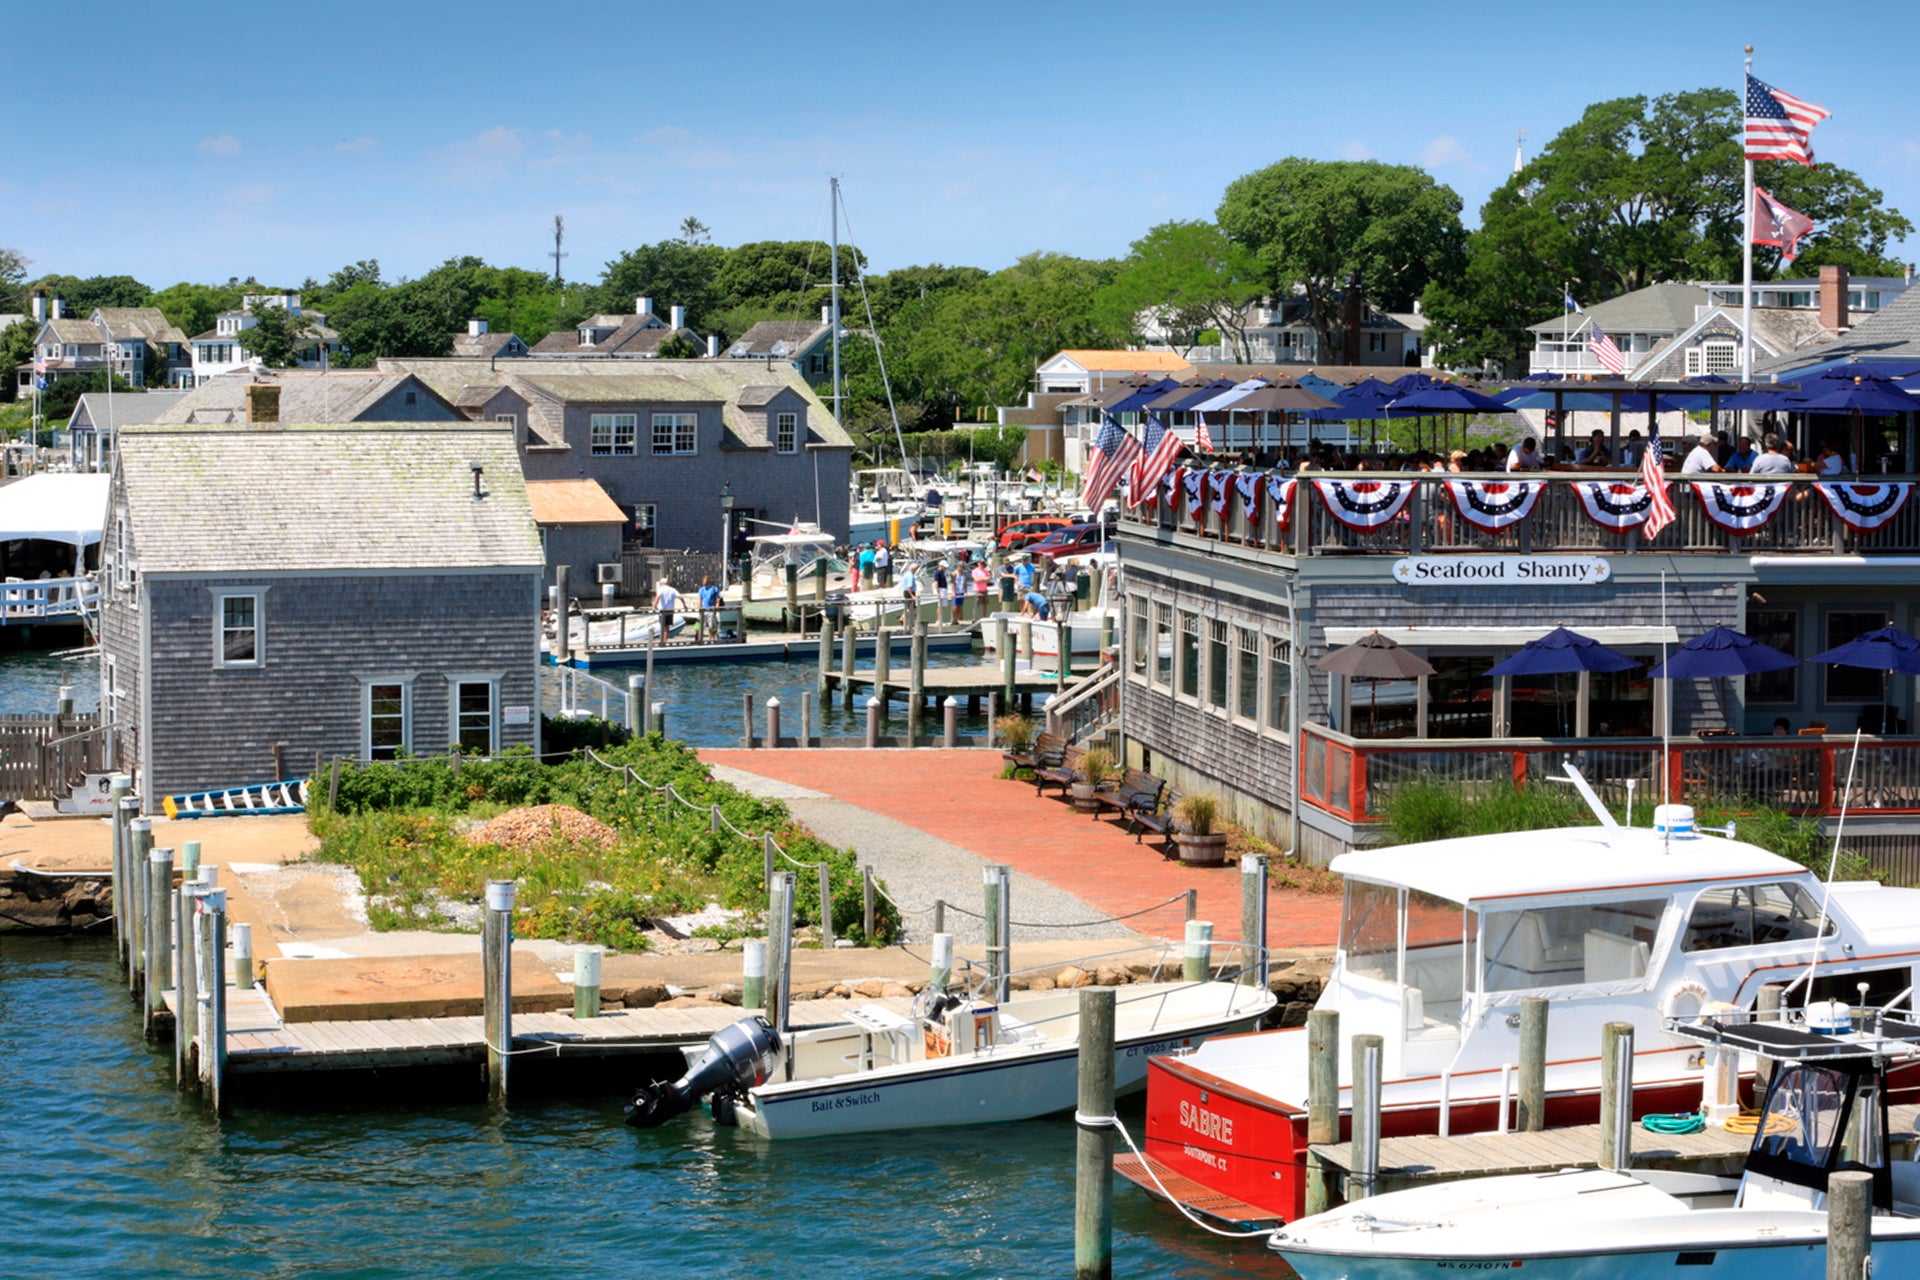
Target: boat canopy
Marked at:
795, 538
1569, 860
58, 508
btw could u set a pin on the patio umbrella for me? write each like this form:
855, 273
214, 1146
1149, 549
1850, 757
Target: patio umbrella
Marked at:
1374, 657
1447, 398
1721, 651
1888, 649
1857, 397
1558, 652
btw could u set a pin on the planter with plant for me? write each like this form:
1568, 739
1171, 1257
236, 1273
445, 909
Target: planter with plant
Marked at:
1096, 772
1198, 830
1015, 733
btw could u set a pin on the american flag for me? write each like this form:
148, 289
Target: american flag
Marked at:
1202, 438
1779, 125
1660, 512
1607, 352
39, 369
1777, 225
1113, 452
1157, 456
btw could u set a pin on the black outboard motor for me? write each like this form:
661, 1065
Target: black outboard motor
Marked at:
737, 1058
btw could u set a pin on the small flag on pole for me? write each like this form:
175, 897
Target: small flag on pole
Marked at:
1202, 438
1779, 125
1660, 512
1607, 352
1113, 453
1567, 297
1034, 474
1777, 225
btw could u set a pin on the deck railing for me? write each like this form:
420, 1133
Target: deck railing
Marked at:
42, 598
40, 755
1088, 709
1805, 522
1353, 778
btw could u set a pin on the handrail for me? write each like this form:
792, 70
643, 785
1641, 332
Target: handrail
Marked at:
1082, 706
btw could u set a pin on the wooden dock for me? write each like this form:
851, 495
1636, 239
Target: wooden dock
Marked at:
258, 1040
970, 683
757, 647
1410, 1161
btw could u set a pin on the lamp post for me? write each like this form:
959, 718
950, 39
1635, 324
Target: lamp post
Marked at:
726, 530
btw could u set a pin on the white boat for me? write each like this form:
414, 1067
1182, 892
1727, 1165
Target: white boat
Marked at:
883, 506
958, 1060
1439, 943
1768, 1224
1084, 627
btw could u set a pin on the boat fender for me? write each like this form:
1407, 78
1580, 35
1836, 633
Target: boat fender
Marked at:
1687, 999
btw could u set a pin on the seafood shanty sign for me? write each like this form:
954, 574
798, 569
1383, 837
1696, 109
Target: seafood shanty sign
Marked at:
1501, 571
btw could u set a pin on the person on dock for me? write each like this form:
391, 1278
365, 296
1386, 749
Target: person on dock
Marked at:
1023, 574
942, 593
709, 608
982, 581
865, 569
1036, 606
909, 593
882, 564
666, 600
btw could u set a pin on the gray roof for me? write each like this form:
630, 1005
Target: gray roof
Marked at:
138, 322
1667, 307
103, 412
759, 338
261, 500
479, 346
306, 395
70, 329
631, 336
758, 397
1891, 333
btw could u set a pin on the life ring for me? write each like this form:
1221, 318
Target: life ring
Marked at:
1686, 999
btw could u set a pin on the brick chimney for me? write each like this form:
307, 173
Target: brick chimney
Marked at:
263, 403
1833, 299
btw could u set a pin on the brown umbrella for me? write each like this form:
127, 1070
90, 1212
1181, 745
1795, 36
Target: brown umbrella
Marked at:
1374, 657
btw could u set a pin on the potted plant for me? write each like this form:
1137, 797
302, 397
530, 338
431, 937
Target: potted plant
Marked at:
1016, 735
1096, 772
1198, 831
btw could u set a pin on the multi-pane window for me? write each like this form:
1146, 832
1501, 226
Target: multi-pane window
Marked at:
1279, 684
1217, 664
1189, 654
613, 434
1137, 636
1163, 645
473, 716
1779, 629
386, 720
1852, 684
786, 432
645, 517
675, 433
239, 631
1246, 697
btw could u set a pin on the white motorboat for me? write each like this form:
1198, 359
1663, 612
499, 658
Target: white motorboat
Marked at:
1440, 942
1084, 627
882, 505
1825, 1110
959, 1059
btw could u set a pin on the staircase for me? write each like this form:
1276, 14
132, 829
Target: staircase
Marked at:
1088, 713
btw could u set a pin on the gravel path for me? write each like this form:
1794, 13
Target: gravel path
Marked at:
917, 868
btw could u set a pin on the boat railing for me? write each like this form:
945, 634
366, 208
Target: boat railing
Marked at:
1355, 778
1168, 966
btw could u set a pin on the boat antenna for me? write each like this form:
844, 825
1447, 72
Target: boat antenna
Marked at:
1833, 868
1666, 720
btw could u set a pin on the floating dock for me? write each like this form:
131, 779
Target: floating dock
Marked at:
768, 647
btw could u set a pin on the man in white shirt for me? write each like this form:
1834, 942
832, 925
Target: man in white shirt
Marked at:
666, 600
1702, 457
1523, 457
1774, 461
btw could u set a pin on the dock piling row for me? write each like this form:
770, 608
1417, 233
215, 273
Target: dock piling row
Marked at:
1323, 1101
1093, 1144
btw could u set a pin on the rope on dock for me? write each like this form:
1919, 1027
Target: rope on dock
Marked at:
1034, 924
667, 788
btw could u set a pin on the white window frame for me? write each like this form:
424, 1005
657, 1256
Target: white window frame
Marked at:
258, 595
367, 685
786, 433
491, 679
1268, 644
613, 435
682, 438
1241, 637
1139, 639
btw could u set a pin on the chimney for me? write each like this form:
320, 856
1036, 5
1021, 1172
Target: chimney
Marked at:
263, 403
713, 346
476, 328
59, 309
643, 306
826, 313
1833, 299
679, 318
40, 305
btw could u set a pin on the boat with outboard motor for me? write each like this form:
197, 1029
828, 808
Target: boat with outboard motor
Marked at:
959, 1057
1441, 941
1825, 1110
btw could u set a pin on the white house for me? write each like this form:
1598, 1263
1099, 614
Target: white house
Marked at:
223, 349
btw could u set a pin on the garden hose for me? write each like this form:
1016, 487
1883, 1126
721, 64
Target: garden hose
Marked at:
1749, 1122
1678, 1122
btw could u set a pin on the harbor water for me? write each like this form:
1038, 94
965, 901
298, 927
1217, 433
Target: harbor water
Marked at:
107, 1171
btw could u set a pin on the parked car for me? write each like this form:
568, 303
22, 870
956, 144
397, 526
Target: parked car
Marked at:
1074, 540
1022, 532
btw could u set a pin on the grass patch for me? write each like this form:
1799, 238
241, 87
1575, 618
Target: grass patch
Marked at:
402, 826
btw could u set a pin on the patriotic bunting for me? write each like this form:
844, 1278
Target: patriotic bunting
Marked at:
1196, 496
1217, 483
1280, 493
1741, 508
1364, 504
1865, 507
1492, 505
1176, 478
1248, 483
1614, 504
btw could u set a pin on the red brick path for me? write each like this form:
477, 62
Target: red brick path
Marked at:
958, 796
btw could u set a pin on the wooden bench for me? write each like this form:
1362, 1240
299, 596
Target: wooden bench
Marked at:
1061, 775
1047, 752
1138, 790
1158, 821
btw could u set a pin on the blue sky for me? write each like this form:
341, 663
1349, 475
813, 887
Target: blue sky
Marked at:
284, 141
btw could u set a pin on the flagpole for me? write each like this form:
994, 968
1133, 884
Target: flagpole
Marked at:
1746, 240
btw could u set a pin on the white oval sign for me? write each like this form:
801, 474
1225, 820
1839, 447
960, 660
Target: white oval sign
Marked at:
1501, 571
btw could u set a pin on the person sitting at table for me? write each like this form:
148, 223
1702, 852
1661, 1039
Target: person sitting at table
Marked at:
1595, 453
1524, 458
1830, 462
1774, 460
1782, 727
1630, 450
1743, 456
1701, 457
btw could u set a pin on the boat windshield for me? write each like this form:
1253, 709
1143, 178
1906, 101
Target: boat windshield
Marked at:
1370, 931
1804, 1111
1569, 944
1434, 931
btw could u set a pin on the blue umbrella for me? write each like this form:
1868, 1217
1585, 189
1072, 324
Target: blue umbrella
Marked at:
1586, 401
1447, 398
1888, 649
1561, 650
1719, 652
1365, 399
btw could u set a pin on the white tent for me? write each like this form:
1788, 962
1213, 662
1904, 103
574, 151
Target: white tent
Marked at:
59, 508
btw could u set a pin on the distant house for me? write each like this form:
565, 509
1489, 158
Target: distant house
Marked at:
1283, 333
121, 339
664, 437
580, 526
1064, 386
634, 337
338, 395
279, 593
478, 343
223, 348
807, 345
97, 415
1889, 331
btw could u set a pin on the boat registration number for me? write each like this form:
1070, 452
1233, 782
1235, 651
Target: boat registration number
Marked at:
844, 1100
1456, 1264
1157, 1047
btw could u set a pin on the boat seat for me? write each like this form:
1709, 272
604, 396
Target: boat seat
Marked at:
1014, 1031
1611, 958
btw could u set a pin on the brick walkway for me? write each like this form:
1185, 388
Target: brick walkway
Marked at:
959, 797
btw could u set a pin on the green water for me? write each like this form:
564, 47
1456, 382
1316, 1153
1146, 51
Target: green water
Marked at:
106, 1171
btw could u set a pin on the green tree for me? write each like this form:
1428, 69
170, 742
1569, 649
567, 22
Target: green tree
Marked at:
1345, 231
13, 278
671, 273
1186, 276
193, 308
16, 349
62, 394
693, 231
677, 348
82, 296
276, 336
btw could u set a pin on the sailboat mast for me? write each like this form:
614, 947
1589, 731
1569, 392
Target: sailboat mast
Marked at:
833, 304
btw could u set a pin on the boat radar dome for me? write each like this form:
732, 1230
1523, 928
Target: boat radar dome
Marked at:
1675, 820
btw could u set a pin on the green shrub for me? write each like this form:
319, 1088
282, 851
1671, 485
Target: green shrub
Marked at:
1421, 811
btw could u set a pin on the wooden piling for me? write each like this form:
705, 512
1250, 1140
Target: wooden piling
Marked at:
791, 573
333, 785
647, 673
826, 907
768, 852
139, 849
866, 903
658, 720
157, 930
1533, 1064
780, 955
846, 664
773, 724
186, 1029
1364, 1179
746, 721
1199, 953
753, 974
118, 816
993, 715
941, 968
950, 723
939, 915
826, 656
586, 981
496, 957
1253, 919
1616, 1095
997, 880
211, 940
1849, 1224
806, 720
882, 659
189, 859
1323, 1099
917, 681
1767, 1003
1093, 1162
636, 694
1026, 641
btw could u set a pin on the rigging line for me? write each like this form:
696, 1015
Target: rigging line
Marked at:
1833, 867
880, 356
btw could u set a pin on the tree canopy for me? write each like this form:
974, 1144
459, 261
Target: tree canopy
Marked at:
1185, 277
